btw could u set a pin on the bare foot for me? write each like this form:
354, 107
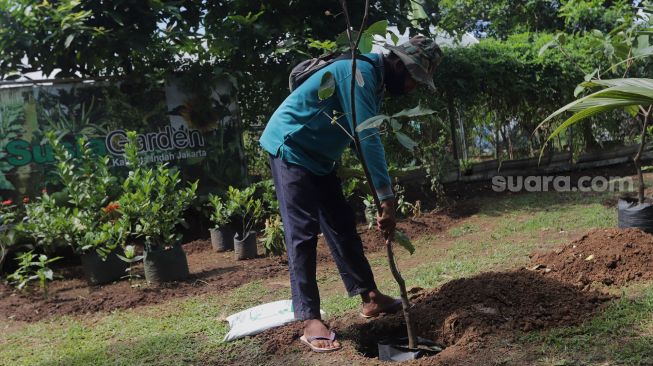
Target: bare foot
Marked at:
375, 303
315, 327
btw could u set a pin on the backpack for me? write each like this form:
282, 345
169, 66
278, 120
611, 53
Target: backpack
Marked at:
302, 71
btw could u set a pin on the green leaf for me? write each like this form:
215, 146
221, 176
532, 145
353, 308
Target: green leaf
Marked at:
124, 259
643, 42
632, 110
579, 89
327, 86
642, 52
379, 28
343, 39
366, 43
591, 75
396, 126
403, 240
590, 107
414, 112
394, 38
630, 86
372, 122
406, 141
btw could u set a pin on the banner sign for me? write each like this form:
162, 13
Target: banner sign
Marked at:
199, 134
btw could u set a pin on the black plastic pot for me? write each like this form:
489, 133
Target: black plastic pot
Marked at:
165, 265
245, 248
222, 239
631, 213
396, 350
99, 271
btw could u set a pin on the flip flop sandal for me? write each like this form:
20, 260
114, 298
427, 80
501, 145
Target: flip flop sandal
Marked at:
390, 309
307, 341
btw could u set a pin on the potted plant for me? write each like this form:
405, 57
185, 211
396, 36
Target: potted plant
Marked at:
98, 243
90, 218
631, 95
151, 206
246, 212
222, 235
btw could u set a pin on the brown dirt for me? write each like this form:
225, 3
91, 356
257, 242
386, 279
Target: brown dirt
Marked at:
424, 225
609, 256
211, 272
464, 315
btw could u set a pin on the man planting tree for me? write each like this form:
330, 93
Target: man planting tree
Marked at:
305, 137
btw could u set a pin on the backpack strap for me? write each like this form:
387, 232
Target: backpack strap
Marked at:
347, 56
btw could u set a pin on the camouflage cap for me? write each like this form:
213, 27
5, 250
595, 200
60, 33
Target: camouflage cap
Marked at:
421, 56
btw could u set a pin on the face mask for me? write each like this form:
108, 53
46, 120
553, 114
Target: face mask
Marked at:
395, 83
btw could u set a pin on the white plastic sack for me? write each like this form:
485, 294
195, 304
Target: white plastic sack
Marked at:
259, 318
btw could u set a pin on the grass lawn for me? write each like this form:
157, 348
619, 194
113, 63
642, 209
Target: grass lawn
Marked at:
500, 236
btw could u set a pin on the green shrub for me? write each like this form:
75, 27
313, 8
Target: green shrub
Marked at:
246, 210
220, 213
88, 185
152, 203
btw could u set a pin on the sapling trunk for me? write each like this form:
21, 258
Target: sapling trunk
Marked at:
412, 338
638, 158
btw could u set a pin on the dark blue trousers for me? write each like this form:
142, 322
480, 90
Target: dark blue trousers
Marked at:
311, 203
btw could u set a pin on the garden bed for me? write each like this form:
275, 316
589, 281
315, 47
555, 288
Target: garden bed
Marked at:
211, 272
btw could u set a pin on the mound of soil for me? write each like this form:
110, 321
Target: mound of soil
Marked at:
211, 272
609, 256
462, 312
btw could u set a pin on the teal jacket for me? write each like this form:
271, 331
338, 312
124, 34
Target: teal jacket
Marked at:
300, 130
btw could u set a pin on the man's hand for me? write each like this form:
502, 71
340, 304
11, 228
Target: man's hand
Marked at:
386, 220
